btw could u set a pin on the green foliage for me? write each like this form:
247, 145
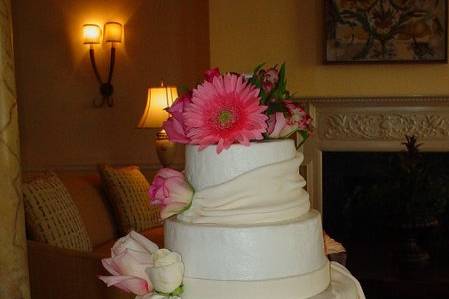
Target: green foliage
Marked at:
176, 293
278, 94
276, 107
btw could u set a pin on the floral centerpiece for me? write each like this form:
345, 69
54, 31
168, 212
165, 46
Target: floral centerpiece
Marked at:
234, 108
224, 109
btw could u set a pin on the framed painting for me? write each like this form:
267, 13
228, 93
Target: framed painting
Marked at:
385, 31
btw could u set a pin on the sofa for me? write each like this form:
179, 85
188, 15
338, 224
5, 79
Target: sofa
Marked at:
59, 273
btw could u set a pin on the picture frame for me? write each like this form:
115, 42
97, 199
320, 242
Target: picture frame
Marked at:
385, 31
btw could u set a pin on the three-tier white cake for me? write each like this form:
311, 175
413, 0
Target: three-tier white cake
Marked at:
250, 232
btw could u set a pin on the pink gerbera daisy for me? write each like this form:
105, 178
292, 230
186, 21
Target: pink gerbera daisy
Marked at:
225, 111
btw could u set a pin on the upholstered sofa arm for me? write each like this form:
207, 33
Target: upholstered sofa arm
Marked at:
64, 273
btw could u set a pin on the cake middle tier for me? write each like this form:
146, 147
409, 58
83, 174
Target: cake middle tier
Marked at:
251, 252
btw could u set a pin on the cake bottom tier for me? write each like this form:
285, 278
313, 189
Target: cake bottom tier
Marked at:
340, 284
295, 287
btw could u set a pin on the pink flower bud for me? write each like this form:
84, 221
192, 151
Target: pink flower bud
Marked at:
174, 126
171, 191
270, 79
210, 74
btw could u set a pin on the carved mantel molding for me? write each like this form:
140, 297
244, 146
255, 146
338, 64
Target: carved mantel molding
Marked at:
383, 126
378, 100
380, 118
371, 124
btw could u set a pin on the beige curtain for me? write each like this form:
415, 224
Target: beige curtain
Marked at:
13, 258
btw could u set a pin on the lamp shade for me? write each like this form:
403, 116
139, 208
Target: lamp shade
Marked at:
113, 32
158, 99
91, 34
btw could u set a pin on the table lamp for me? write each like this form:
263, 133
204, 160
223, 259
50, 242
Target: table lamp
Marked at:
154, 115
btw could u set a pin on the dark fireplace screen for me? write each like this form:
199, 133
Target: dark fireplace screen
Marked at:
365, 197
368, 201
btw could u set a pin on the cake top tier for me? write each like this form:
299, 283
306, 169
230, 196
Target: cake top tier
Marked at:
206, 168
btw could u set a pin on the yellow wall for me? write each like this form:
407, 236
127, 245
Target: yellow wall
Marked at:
164, 39
245, 33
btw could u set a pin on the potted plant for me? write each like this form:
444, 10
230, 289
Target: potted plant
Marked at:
405, 197
419, 199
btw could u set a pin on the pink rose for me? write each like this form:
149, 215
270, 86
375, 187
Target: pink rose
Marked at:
276, 123
175, 124
210, 74
131, 256
171, 191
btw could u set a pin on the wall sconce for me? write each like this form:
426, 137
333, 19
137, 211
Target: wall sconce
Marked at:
113, 33
154, 115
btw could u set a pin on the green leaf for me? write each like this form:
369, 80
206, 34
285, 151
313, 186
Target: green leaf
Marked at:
282, 81
258, 67
304, 135
276, 107
184, 89
177, 292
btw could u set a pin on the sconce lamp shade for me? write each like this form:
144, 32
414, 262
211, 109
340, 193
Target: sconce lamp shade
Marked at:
91, 34
113, 32
159, 98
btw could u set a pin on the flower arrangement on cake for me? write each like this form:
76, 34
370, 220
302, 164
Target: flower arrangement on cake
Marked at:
235, 108
223, 110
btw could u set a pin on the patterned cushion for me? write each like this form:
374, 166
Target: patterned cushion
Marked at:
52, 216
127, 190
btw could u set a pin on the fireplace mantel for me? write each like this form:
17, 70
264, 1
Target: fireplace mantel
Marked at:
371, 124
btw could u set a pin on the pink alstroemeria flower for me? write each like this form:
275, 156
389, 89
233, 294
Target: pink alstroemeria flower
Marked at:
270, 78
171, 191
211, 73
298, 119
175, 124
131, 256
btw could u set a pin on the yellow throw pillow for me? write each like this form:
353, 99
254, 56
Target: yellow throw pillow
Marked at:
127, 190
52, 216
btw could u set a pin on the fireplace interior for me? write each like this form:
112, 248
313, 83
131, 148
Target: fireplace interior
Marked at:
364, 203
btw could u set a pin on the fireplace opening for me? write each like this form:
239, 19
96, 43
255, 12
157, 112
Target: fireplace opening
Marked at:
365, 206
362, 190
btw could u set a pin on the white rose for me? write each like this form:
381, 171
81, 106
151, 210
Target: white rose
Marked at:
134, 242
167, 271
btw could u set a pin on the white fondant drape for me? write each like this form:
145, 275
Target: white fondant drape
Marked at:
267, 194
342, 277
